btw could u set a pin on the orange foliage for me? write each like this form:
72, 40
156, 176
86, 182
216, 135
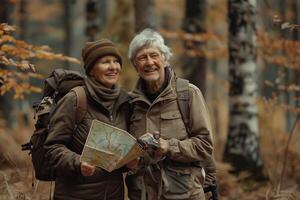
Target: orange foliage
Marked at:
15, 69
285, 53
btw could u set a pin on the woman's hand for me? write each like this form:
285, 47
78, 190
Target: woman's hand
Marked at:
87, 169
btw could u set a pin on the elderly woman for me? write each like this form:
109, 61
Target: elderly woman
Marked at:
105, 102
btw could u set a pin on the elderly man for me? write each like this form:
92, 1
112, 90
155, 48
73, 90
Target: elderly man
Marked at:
172, 171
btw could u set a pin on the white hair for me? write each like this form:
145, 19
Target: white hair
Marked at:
148, 38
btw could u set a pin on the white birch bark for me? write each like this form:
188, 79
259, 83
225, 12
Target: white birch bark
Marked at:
242, 147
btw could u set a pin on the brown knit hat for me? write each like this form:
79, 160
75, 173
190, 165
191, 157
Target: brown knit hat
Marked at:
92, 51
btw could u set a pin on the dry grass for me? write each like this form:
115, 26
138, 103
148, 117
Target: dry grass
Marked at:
16, 170
284, 184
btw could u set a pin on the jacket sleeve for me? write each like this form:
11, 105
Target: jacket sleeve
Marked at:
61, 128
210, 173
198, 147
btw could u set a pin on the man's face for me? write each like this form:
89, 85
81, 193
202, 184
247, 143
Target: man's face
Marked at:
150, 65
106, 70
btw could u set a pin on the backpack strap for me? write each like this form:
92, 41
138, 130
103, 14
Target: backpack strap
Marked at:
81, 103
183, 98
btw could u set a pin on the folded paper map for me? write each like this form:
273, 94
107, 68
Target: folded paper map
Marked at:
109, 147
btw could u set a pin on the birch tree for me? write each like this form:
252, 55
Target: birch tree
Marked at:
242, 146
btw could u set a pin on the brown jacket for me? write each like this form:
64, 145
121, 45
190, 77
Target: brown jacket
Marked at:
184, 152
65, 144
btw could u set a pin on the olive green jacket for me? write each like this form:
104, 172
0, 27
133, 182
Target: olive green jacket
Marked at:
163, 115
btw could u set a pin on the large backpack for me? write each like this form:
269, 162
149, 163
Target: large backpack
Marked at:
58, 84
183, 99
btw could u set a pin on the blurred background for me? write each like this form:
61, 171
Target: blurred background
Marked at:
243, 55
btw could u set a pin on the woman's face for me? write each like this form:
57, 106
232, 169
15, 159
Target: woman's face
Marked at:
106, 70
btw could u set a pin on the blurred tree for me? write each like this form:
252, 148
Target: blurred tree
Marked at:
242, 146
68, 25
23, 106
23, 19
91, 16
297, 38
194, 67
103, 6
285, 73
5, 106
145, 17
96, 16
270, 70
291, 76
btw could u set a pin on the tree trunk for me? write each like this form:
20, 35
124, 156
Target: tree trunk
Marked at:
103, 5
23, 19
23, 105
96, 14
242, 147
6, 105
144, 11
68, 30
91, 16
297, 38
194, 68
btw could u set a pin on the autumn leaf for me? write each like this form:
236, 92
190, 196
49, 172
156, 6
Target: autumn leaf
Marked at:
15, 54
7, 28
7, 38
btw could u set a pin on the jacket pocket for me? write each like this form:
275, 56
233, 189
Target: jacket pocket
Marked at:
177, 183
172, 125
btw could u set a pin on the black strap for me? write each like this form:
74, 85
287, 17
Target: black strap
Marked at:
183, 98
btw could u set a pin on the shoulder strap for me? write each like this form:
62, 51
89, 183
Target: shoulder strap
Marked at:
81, 103
183, 98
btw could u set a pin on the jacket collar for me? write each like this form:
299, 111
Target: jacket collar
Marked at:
168, 93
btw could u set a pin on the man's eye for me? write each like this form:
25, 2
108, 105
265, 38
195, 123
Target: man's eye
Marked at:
142, 58
154, 55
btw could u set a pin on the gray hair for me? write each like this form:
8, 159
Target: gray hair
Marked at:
148, 38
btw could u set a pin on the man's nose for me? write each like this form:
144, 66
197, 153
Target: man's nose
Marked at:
149, 60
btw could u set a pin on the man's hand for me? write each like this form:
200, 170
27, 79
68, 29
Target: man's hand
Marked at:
147, 141
164, 146
87, 169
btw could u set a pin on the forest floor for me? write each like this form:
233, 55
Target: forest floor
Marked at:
17, 182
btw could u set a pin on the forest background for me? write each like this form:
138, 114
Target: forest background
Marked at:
243, 55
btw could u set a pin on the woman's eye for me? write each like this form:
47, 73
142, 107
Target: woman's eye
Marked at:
105, 62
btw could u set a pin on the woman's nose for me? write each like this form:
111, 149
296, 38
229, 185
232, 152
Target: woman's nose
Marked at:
113, 65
